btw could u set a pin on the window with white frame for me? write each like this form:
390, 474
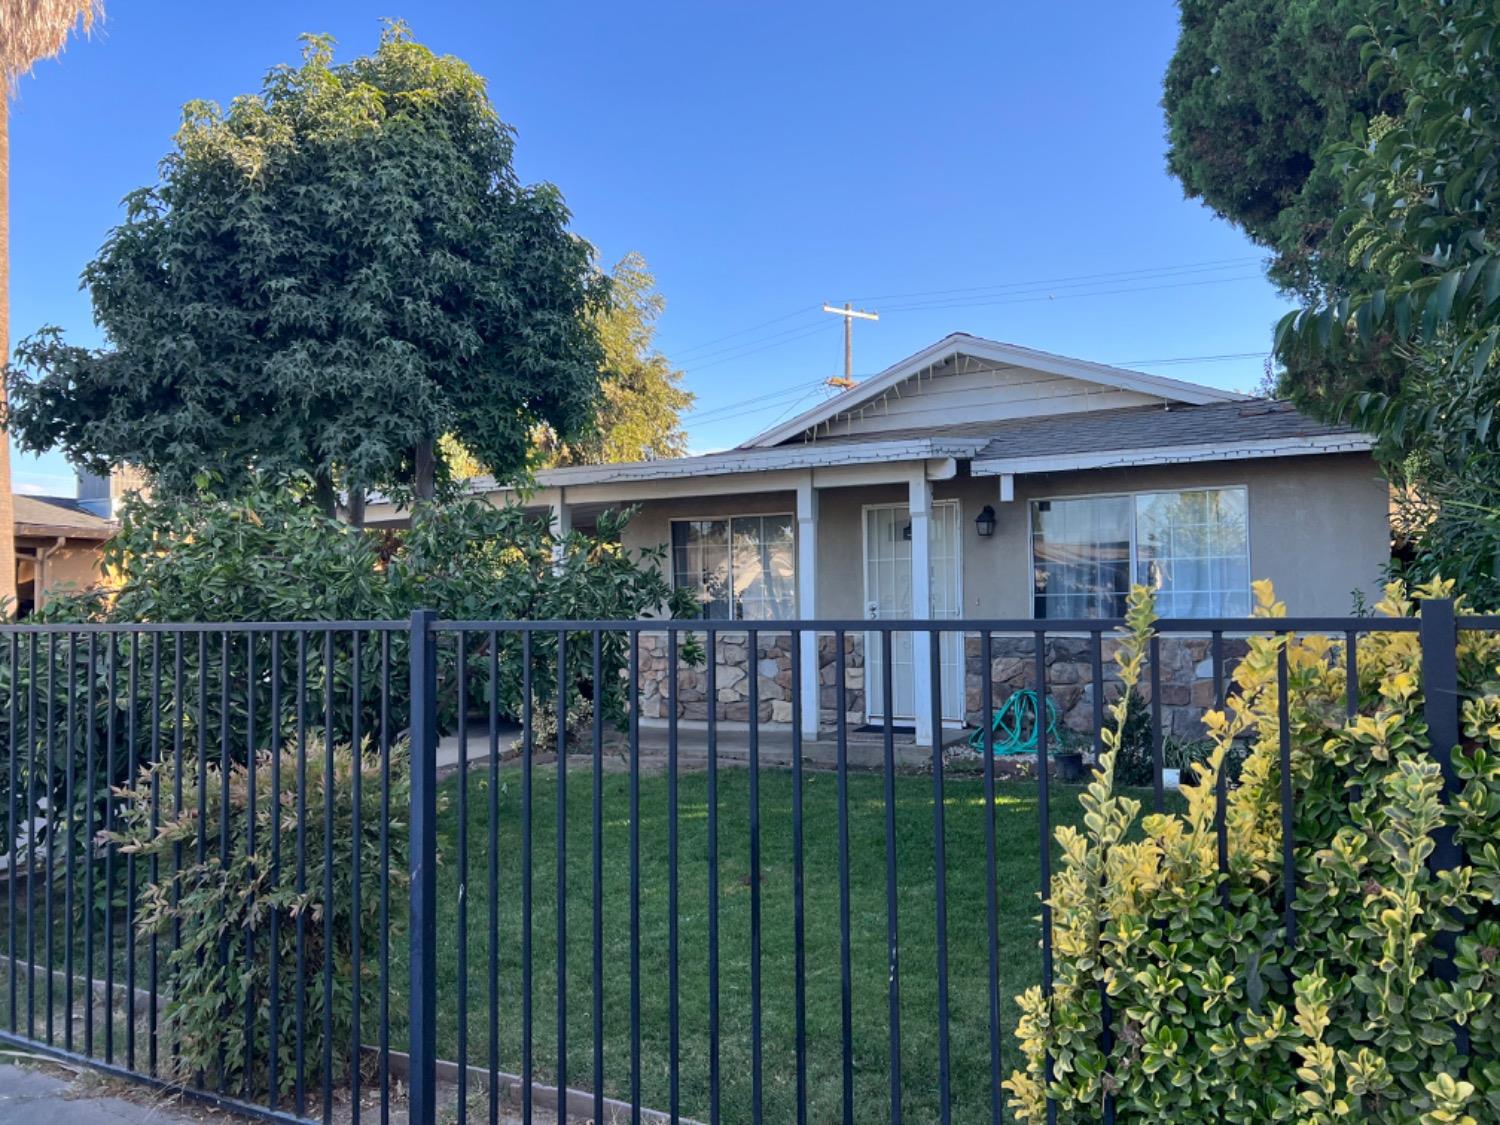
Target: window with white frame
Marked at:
1191, 546
739, 567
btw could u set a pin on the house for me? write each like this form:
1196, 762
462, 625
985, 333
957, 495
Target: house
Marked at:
981, 480
60, 539
58, 543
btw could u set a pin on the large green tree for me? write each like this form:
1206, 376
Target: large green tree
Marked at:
1255, 91
328, 276
642, 397
1421, 196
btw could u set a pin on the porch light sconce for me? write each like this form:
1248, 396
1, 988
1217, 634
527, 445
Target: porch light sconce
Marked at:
906, 533
984, 522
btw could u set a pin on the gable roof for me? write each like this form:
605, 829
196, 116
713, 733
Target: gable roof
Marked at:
1011, 355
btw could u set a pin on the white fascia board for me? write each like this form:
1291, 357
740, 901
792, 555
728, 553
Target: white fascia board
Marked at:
1011, 355
1173, 455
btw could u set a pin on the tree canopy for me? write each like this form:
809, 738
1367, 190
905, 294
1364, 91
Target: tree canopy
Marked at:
642, 399
329, 275
1253, 93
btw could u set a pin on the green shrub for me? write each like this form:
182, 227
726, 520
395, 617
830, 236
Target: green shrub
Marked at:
221, 905
1216, 1016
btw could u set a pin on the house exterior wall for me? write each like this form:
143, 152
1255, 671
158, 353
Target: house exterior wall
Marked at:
1319, 528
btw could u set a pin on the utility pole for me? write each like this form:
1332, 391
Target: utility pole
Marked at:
849, 313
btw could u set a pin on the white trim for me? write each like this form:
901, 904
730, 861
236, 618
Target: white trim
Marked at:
1124, 494
1173, 455
806, 582
959, 343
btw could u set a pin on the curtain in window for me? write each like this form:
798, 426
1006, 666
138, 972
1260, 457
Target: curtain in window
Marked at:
1194, 549
700, 563
1081, 551
742, 568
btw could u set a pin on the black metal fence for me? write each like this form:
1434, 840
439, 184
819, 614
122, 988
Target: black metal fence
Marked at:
208, 890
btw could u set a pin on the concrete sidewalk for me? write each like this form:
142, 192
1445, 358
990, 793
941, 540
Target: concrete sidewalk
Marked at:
49, 1096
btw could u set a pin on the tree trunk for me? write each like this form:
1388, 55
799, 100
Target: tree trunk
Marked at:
424, 471
7, 497
356, 507
325, 496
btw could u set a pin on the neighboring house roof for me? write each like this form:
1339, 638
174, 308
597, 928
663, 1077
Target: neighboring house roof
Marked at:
59, 515
961, 343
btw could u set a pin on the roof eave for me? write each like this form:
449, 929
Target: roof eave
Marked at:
1173, 455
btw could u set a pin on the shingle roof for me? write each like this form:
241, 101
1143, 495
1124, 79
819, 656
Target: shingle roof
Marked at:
58, 515
1153, 427
1132, 427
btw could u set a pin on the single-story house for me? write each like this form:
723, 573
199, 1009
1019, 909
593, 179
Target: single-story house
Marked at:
981, 480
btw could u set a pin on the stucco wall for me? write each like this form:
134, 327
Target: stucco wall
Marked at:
1318, 528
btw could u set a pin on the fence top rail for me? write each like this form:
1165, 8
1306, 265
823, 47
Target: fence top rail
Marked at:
1024, 626
1198, 626
84, 628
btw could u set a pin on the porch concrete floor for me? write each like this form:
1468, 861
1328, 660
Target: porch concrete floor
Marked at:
866, 751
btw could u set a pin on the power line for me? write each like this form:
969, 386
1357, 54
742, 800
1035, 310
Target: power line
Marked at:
1025, 300
743, 331
1187, 267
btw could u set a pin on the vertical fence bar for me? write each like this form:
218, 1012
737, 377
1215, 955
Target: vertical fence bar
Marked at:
940, 874
1044, 814
71, 836
1158, 747
711, 671
597, 682
200, 852
674, 1030
179, 733
423, 860
384, 1045
356, 832
273, 983
91, 807
1221, 780
299, 1054
461, 997
1106, 1012
1351, 673
250, 783
634, 682
494, 879
51, 791
846, 974
11, 949
226, 820
892, 922
111, 697
1288, 841
752, 675
1439, 639
329, 653
132, 752
31, 819
991, 906
527, 739
154, 758
799, 922
561, 708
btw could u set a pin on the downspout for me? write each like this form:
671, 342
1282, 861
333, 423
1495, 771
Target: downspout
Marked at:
40, 555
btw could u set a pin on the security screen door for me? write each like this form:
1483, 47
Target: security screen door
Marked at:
888, 596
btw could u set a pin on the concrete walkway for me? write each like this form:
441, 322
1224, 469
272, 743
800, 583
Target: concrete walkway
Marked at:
51, 1096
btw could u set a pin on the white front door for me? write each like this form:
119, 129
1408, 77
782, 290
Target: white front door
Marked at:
888, 596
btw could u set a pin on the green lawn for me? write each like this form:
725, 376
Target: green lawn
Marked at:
1017, 879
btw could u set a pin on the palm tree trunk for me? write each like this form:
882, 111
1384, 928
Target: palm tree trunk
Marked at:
7, 498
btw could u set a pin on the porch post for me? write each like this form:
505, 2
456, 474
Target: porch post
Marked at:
920, 506
560, 523
807, 602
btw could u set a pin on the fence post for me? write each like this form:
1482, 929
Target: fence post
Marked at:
423, 859
1439, 637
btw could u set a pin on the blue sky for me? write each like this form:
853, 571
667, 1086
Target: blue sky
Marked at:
994, 168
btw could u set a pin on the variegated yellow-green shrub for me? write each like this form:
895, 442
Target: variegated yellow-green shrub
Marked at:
1216, 1017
